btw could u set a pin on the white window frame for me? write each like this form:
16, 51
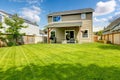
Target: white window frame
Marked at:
57, 21
70, 30
83, 16
82, 34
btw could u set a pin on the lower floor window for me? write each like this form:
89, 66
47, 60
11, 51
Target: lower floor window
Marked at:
85, 34
52, 35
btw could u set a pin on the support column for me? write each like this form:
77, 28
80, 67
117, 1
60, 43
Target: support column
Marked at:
79, 35
48, 39
48, 36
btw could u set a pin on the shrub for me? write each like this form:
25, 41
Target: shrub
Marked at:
104, 41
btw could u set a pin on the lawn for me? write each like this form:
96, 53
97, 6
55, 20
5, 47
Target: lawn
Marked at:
92, 61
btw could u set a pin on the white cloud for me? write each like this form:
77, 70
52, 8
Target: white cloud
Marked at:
28, 1
103, 8
100, 20
117, 13
97, 28
31, 13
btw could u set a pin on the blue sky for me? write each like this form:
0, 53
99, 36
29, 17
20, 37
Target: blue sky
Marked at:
37, 10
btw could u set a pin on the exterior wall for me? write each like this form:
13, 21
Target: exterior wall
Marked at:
60, 33
49, 19
86, 25
30, 30
74, 17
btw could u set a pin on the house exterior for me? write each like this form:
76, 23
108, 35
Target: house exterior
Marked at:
32, 32
112, 32
71, 26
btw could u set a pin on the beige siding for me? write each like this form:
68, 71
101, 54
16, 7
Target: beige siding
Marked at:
86, 25
74, 17
71, 17
49, 19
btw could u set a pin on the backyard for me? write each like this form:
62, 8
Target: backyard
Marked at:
93, 61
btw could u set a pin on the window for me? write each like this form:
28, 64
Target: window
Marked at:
52, 37
56, 18
83, 16
69, 34
85, 34
0, 18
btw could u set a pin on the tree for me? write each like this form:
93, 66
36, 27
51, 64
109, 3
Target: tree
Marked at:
100, 33
15, 24
1, 27
2, 38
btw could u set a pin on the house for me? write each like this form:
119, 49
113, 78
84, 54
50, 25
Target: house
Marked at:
32, 32
112, 32
71, 26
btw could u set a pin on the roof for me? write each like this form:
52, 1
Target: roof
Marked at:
65, 24
27, 21
113, 27
72, 12
113, 24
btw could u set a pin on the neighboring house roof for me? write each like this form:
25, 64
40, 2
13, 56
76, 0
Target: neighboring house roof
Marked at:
113, 26
72, 12
27, 21
65, 24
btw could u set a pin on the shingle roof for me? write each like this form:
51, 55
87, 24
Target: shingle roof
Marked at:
114, 23
72, 12
27, 21
65, 24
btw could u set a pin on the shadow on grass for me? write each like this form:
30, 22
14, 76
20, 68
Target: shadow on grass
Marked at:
61, 72
109, 46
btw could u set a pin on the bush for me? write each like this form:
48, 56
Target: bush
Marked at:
101, 41
104, 41
11, 44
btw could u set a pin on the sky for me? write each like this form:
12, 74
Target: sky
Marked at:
37, 10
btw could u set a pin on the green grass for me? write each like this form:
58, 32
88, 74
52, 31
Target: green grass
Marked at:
93, 61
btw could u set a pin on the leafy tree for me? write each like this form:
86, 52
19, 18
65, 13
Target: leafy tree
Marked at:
1, 27
15, 24
100, 33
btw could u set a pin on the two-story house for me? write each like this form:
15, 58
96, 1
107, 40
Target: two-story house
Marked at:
71, 26
32, 32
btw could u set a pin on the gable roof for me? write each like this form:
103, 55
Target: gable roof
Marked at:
27, 21
72, 12
112, 24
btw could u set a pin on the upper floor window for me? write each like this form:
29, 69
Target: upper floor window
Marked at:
0, 17
85, 34
56, 18
83, 16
